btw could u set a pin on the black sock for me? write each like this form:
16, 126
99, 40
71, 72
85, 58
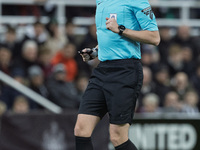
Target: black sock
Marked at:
83, 143
128, 145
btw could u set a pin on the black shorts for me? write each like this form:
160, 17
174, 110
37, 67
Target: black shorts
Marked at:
114, 88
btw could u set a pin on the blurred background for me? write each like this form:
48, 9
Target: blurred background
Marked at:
39, 43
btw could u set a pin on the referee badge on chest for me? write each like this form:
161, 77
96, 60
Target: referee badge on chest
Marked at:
113, 16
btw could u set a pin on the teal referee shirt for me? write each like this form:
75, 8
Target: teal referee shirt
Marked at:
133, 14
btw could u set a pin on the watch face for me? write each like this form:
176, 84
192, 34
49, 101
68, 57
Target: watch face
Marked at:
122, 27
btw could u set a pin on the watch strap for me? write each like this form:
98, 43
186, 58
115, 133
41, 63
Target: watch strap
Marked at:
121, 29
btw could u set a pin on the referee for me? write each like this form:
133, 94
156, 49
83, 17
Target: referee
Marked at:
116, 82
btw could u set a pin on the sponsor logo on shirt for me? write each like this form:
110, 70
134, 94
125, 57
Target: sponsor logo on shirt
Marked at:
148, 12
113, 16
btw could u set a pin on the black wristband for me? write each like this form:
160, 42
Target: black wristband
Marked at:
89, 51
121, 29
94, 53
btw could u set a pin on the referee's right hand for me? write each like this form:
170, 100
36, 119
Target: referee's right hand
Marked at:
85, 55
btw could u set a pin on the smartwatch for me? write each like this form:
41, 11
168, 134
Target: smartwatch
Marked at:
121, 29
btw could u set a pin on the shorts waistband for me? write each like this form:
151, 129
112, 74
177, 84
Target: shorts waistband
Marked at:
121, 61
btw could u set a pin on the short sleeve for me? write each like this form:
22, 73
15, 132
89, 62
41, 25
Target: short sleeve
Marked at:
144, 15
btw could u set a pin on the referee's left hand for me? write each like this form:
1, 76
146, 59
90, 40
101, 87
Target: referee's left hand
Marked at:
111, 24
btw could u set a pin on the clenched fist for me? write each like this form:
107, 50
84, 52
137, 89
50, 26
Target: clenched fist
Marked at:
111, 24
89, 54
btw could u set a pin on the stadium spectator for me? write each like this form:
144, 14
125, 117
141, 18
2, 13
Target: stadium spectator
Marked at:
20, 105
11, 42
44, 61
184, 38
150, 56
62, 92
18, 74
66, 57
5, 60
162, 82
150, 104
37, 33
29, 56
36, 78
188, 61
165, 43
191, 100
172, 103
148, 84
57, 39
175, 59
181, 85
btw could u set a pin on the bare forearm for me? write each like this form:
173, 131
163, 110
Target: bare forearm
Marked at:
148, 37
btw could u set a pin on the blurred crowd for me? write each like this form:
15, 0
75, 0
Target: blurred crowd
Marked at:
46, 60
171, 73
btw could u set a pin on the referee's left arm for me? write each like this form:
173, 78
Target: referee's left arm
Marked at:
144, 36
